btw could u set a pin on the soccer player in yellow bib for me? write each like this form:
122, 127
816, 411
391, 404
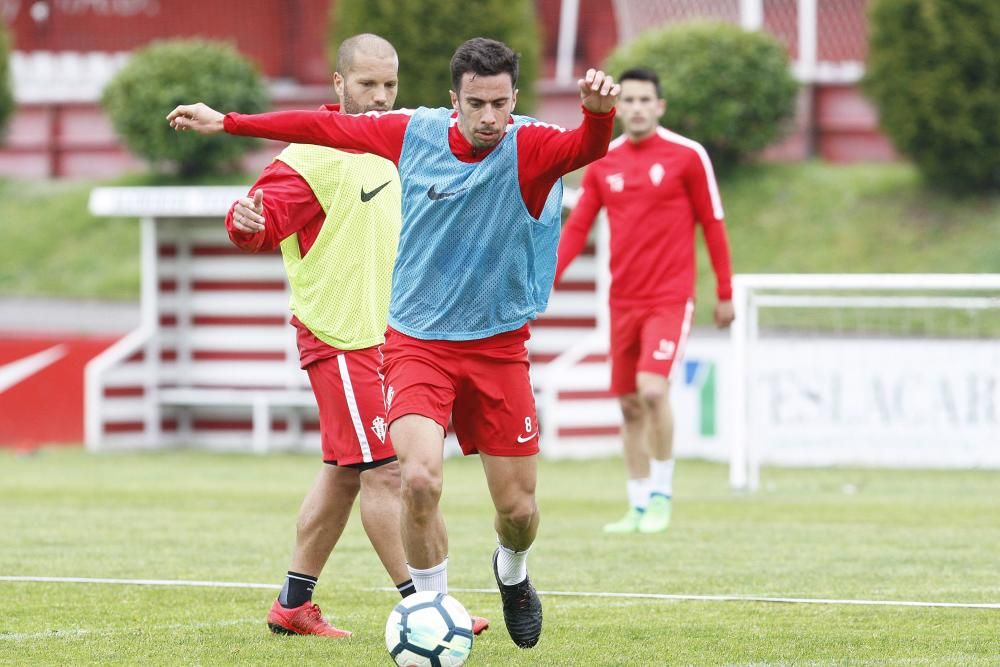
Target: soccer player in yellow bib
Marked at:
336, 217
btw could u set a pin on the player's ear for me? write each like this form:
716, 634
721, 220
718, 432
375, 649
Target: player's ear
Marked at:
513, 100
454, 99
661, 107
338, 85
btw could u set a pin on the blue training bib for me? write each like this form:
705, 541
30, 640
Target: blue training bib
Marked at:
472, 262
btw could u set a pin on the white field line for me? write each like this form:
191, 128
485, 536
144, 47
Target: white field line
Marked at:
583, 594
141, 582
749, 598
73, 634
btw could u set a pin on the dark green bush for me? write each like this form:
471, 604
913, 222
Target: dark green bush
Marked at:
427, 32
6, 94
934, 73
168, 73
728, 89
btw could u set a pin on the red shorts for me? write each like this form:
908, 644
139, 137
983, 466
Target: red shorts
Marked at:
352, 420
648, 339
483, 385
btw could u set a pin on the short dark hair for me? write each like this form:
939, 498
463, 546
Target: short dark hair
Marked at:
642, 74
483, 57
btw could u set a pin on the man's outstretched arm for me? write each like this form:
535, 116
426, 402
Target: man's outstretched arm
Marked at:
377, 133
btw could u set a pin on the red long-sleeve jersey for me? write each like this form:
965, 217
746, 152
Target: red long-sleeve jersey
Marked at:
544, 152
654, 191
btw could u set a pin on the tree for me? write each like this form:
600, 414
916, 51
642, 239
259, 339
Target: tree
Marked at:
168, 73
427, 32
726, 88
6, 94
934, 73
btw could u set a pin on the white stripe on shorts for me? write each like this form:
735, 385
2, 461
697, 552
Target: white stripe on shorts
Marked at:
683, 338
352, 406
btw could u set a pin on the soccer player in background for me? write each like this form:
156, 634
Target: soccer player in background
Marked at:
655, 186
336, 217
476, 260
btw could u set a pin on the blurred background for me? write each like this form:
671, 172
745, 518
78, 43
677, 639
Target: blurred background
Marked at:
850, 136
66, 51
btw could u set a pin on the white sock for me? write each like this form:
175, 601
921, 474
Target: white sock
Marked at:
662, 475
432, 579
512, 566
638, 493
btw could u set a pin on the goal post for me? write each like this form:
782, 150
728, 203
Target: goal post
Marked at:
894, 370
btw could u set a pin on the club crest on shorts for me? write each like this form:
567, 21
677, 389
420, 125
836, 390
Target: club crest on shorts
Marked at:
665, 351
379, 428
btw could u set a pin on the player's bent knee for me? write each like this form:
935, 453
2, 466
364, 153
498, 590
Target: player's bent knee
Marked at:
632, 408
520, 514
386, 475
653, 399
421, 487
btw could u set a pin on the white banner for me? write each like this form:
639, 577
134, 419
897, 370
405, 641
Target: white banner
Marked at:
898, 403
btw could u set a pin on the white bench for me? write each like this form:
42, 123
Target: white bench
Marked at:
214, 362
260, 402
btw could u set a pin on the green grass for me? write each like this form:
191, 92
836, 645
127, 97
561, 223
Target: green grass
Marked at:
55, 248
782, 218
876, 218
837, 533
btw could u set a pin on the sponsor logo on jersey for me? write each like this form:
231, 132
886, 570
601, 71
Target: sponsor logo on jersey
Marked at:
434, 195
367, 196
665, 351
616, 182
379, 428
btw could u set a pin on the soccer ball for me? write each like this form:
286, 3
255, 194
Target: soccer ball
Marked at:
429, 629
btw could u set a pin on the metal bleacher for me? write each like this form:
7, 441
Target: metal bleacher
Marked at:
214, 362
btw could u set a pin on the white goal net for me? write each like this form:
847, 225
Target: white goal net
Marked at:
895, 370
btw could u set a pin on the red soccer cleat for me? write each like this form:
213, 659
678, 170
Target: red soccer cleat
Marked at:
304, 620
479, 624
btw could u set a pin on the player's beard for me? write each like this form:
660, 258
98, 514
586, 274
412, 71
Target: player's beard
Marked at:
351, 105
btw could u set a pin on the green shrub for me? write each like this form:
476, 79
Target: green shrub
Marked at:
934, 73
6, 94
728, 89
169, 73
427, 32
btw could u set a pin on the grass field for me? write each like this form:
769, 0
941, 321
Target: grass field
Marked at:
841, 534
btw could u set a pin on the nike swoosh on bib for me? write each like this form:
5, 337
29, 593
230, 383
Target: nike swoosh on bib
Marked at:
366, 196
434, 195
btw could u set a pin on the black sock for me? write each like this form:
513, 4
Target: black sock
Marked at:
406, 588
298, 590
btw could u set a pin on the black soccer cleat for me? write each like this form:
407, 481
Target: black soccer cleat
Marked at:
522, 610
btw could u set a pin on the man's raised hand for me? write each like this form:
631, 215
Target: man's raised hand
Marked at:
199, 117
248, 214
598, 91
